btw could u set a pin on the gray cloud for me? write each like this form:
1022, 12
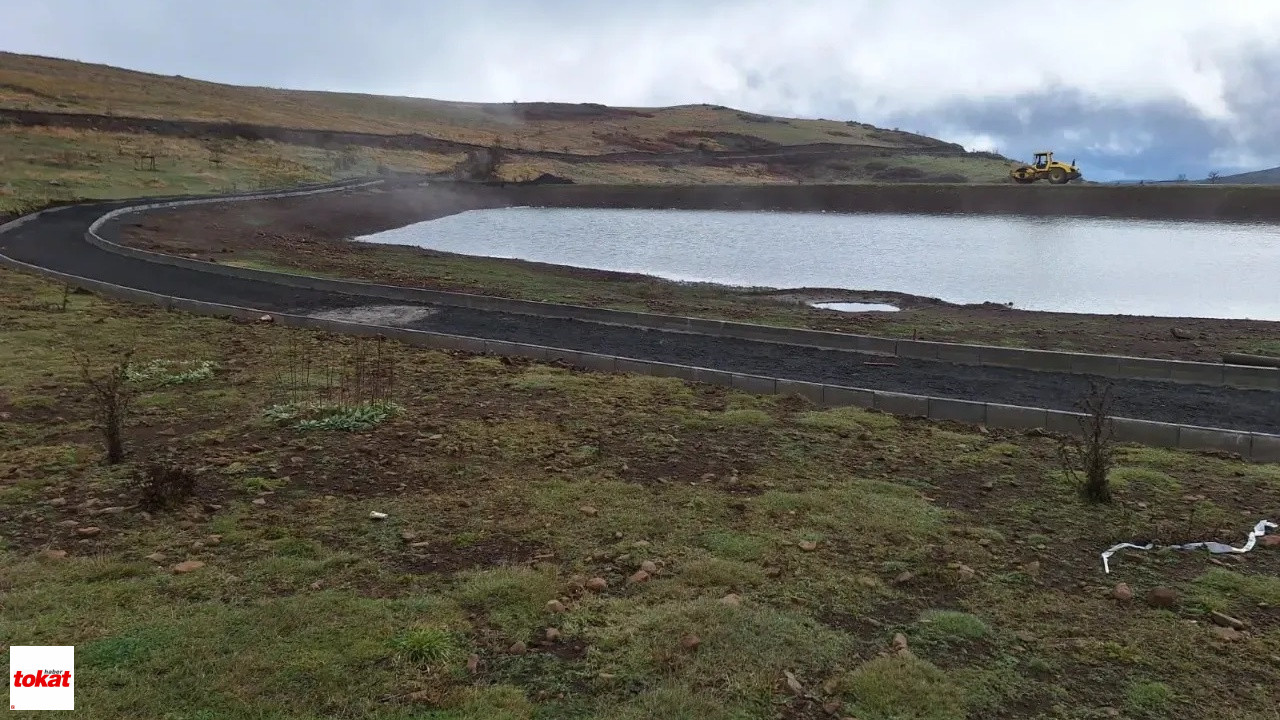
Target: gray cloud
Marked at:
1135, 88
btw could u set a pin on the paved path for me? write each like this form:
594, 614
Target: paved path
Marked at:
56, 241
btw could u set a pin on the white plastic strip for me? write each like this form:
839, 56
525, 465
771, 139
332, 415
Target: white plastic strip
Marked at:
1214, 547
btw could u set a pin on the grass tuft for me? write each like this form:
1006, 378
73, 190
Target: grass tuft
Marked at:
903, 688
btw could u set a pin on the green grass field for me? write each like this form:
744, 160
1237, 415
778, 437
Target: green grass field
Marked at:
800, 563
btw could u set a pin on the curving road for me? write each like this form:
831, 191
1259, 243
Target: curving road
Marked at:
55, 241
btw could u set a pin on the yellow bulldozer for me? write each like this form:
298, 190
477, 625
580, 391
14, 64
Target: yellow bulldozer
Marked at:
1046, 168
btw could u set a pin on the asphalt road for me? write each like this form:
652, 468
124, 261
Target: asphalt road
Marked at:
56, 241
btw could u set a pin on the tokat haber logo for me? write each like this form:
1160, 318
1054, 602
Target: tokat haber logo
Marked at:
41, 677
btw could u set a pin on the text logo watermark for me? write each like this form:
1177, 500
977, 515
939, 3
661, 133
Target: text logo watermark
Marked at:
42, 677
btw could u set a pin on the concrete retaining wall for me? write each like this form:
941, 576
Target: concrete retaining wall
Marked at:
1114, 366
1258, 447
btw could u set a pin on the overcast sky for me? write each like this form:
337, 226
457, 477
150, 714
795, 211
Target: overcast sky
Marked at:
1133, 88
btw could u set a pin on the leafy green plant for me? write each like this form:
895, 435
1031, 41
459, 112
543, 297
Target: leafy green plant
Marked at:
332, 416
171, 372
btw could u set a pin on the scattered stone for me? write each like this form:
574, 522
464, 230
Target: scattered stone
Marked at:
1162, 597
375, 515
793, 684
265, 318
213, 540
69, 523
55, 554
617, 534
597, 584
1270, 540
555, 606
1122, 592
473, 664
807, 545
1227, 634
869, 582
88, 531
732, 600
638, 576
552, 634
56, 502
1181, 334
518, 648
966, 572
187, 566
589, 511
650, 567
641, 544
408, 535
156, 557
1032, 568
317, 585
772, 572
989, 485
904, 577
690, 642
832, 707
259, 501
420, 544
1225, 620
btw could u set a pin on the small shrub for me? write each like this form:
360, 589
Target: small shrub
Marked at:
163, 485
111, 395
1095, 451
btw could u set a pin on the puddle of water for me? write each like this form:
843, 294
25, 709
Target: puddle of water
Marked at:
855, 307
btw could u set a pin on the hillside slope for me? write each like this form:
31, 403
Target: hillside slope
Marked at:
70, 129
1269, 176
39, 83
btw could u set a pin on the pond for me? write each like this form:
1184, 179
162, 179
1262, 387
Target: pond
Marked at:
1068, 264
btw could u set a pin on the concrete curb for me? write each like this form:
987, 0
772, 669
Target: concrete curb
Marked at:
1113, 366
1257, 447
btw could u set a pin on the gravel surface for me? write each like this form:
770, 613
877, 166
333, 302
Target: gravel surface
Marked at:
57, 242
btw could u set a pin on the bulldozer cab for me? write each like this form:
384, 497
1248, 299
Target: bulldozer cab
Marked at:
1043, 159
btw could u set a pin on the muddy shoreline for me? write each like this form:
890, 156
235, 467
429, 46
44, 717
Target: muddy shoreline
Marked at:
312, 234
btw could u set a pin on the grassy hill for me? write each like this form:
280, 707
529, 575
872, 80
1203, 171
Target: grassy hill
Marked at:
1270, 176
585, 142
51, 84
